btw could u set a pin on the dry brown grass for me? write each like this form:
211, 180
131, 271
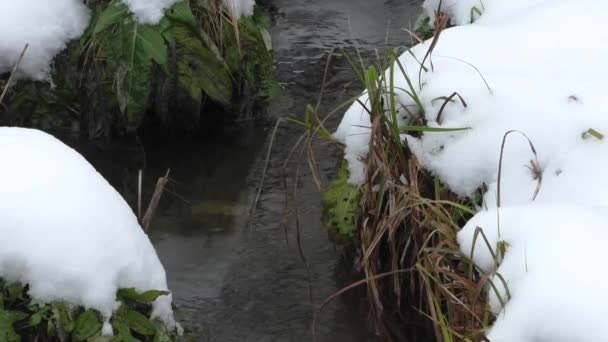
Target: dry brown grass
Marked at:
408, 223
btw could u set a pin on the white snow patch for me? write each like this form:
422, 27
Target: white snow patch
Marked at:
149, 11
552, 269
240, 8
544, 63
47, 26
66, 232
463, 12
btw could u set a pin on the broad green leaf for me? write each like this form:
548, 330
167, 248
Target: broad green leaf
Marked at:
63, 317
132, 49
182, 13
113, 14
151, 41
199, 69
139, 323
7, 330
87, 324
35, 319
15, 292
145, 297
124, 333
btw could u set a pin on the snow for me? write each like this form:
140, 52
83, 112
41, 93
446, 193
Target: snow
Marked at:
553, 269
240, 8
47, 26
149, 11
544, 64
458, 10
66, 232
462, 12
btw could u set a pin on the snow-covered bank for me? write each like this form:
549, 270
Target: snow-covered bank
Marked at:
47, 26
537, 67
66, 232
554, 271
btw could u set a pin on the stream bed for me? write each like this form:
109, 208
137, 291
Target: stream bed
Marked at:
239, 280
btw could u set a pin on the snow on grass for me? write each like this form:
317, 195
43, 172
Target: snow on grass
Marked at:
66, 232
149, 11
47, 26
463, 12
554, 271
240, 8
545, 67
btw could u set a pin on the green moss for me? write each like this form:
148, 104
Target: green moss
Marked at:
340, 207
23, 320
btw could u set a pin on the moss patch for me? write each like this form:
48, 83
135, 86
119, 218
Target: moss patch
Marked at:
341, 203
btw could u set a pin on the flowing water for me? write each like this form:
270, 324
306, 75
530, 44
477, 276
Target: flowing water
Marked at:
235, 280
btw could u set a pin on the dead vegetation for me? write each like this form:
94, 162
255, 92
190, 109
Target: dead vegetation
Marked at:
420, 285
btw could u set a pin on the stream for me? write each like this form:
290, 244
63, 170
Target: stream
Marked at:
239, 280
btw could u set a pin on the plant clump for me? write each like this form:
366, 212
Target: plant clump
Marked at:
197, 63
22, 319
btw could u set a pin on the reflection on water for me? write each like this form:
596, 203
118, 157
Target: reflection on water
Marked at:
235, 281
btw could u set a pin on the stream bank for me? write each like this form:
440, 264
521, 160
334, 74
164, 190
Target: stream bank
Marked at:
231, 283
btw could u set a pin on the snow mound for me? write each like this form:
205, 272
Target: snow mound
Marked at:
462, 12
66, 232
553, 271
149, 11
517, 70
47, 26
240, 8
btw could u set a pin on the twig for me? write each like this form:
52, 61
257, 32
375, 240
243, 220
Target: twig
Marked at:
158, 192
10, 79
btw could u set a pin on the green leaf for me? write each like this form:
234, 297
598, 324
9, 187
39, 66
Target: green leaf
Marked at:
145, 297
267, 38
7, 331
199, 69
113, 14
63, 317
15, 292
162, 333
132, 49
35, 319
151, 41
124, 333
182, 13
88, 324
139, 323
